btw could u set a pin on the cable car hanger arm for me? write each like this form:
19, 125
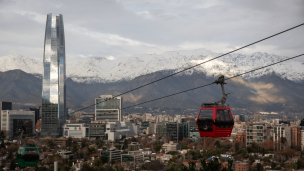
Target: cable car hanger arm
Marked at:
220, 80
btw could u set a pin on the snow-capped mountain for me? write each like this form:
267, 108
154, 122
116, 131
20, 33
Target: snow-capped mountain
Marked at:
103, 70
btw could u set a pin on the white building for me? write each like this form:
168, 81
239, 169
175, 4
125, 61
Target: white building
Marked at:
171, 146
282, 130
108, 108
151, 129
236, 117
115, 130
11, 121
76, 130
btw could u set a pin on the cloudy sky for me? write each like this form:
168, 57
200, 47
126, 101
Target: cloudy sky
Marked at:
117, 29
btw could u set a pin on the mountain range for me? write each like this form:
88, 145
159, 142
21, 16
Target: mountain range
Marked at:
282, 84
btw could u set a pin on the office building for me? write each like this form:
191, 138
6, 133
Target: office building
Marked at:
256, 118
134, 146
6, 105
76, 130
281, 131
112, 154
255, 132
37, 113
13, 120
172, 129
54, 78
97, 129
190, 130
115, 130
302, 124
108, 108
242, 118
296, 137
144, 125
132, 157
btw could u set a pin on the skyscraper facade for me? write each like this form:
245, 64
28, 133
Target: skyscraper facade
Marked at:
54, 78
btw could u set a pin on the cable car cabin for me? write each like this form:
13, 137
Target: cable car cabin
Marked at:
28, 156
215, 121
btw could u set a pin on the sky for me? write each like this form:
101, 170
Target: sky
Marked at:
121, 28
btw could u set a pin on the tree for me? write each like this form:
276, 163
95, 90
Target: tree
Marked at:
217, 144
92, 150
104, 159
171, 167
98, 162
69, 142
230, 162
12, 148
13, 165
213, 165
2, 144
3, 151
83, 142
185, 141
236, 146
190, 146
192, 166
273, 165
288, 152
158, 146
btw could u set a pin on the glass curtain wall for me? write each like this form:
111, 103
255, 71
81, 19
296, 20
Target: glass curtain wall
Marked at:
54, 77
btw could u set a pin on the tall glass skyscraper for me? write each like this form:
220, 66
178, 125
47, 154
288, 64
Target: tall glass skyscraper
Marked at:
54, 78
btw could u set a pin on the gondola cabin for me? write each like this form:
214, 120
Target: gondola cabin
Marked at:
215, 121
28, 156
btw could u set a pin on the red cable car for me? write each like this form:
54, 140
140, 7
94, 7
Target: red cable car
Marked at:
216, 119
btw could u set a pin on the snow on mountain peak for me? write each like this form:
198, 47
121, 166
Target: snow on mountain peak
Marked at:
101, 69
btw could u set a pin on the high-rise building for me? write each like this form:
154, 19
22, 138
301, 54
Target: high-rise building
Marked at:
6, 106
256, 118
255, 132
54, 78
172, 129
302, 124
296, 137
242, 118
108, 108
37, 113
281, 131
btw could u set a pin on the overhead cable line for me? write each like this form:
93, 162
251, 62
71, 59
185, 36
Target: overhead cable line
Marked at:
210, 83
194, 66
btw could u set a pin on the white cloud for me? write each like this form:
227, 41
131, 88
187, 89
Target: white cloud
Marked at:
122, 28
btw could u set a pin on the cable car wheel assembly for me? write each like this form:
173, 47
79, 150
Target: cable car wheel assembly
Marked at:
216, 119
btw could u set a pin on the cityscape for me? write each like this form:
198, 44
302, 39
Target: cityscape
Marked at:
256, 126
